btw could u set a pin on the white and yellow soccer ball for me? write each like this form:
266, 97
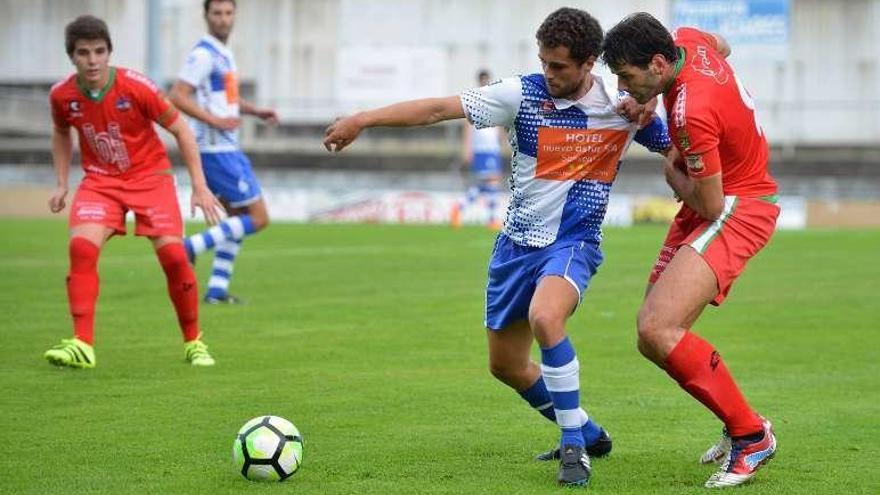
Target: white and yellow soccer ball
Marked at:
267, 448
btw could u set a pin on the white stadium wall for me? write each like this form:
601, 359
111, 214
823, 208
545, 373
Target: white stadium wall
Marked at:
306, 56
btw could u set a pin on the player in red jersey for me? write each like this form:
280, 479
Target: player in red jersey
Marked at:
728, 214
126, 169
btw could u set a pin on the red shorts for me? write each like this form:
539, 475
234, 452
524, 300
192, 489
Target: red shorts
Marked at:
152, 198
727, 244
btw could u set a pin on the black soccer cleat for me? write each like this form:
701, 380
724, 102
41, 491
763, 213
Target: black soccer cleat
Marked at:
227, 299
574, 466
599, 448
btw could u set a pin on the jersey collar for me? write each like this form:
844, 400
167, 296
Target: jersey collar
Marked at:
590, 96
100, 96
210, 38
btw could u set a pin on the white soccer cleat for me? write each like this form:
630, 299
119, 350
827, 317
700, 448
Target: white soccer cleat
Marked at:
717, 452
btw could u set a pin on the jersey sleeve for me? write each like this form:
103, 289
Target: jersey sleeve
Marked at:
196, 67
152, 101
57, 112
493, 105
654, 136
694, 34
698, 138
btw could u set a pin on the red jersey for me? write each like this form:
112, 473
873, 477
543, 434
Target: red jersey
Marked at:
115, 126
712, 119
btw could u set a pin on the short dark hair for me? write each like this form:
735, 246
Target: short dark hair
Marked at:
635, 40
572, 28
483, 73
86, 27
207, 4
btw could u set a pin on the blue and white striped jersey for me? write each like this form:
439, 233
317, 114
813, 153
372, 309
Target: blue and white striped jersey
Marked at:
210, 68
566, 155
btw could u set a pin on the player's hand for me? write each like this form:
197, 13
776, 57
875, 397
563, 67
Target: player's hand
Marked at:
209, 204
633, 111
268, 115
225, 123
56, 201
341, 133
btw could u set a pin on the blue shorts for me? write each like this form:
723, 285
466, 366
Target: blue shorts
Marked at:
231, 178
515, 271
486, 164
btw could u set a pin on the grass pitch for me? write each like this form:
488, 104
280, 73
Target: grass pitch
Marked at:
370, 339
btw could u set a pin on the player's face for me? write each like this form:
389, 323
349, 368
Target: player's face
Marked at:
220, 18
91, 59
566, 78
642, 84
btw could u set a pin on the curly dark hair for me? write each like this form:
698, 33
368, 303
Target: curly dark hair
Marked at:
86, 27
635, 40
572, 28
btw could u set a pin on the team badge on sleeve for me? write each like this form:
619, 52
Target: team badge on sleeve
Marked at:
695, 162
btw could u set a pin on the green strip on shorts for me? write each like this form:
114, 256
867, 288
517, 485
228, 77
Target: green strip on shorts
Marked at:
703, 240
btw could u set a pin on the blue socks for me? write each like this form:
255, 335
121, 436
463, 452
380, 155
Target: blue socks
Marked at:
560, 369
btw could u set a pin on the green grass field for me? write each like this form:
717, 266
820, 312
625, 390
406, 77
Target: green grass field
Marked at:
370, 339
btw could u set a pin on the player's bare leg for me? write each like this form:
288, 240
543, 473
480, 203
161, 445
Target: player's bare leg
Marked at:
86, 241
553, 302
678, 296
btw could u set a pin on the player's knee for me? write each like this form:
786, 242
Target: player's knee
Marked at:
83, 255
650, 328
546, 324
260, 219
173, 256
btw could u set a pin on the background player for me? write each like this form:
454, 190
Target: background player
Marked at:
481, 151
126, 169
728, 215
210, 73
567, 141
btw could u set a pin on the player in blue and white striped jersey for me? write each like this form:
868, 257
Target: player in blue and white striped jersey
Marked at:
210, 75
567, 139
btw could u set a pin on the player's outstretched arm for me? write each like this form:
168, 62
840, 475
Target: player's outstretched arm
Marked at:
201, 195
406, 114
62, 150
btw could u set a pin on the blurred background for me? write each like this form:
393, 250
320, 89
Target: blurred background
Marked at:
812, 66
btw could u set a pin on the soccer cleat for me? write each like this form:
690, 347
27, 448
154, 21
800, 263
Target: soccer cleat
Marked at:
574, 466
600, 448
227, 299
73, 353
197, 353
717, 452
744, 459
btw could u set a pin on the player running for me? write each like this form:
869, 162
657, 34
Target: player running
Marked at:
728, 214
567, 140
210, 73
481, 150
126, 169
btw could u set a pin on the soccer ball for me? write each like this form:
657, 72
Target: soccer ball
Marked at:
267, 448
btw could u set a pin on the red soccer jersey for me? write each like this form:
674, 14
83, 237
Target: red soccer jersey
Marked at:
115, 126
712, 119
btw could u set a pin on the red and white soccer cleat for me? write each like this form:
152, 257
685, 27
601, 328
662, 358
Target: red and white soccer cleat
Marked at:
743, 459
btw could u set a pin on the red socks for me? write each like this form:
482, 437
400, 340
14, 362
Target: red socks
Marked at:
82, 287
698, 368
182, 288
